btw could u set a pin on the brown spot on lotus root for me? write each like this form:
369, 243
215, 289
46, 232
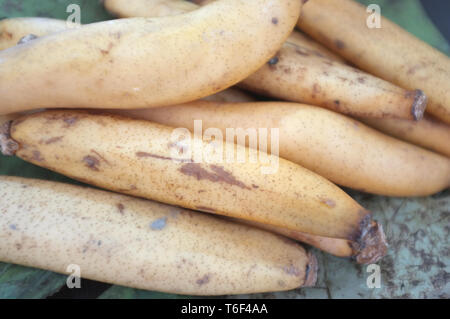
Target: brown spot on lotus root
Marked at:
275, 20
203, 280
100, 156
91, 162
70, 121
108, 50
37, 157
53, 140
292, 270
339, 44
145, 154
121, 208
218, 174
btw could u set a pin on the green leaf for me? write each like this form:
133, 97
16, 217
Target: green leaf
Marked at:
120, 292
91, 10
410, 15
24, 282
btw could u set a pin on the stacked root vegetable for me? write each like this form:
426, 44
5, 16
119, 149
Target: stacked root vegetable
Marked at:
348, 103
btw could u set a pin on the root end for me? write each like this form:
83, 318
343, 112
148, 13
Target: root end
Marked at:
372, 246
311, 271
419, 105
8, 146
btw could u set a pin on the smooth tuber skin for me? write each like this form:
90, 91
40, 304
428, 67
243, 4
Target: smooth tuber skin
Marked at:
389, 52
335, 246
298, 74
306, 72
12, 30
341, 149
138, 243
428, 132
144, 159
142, 62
